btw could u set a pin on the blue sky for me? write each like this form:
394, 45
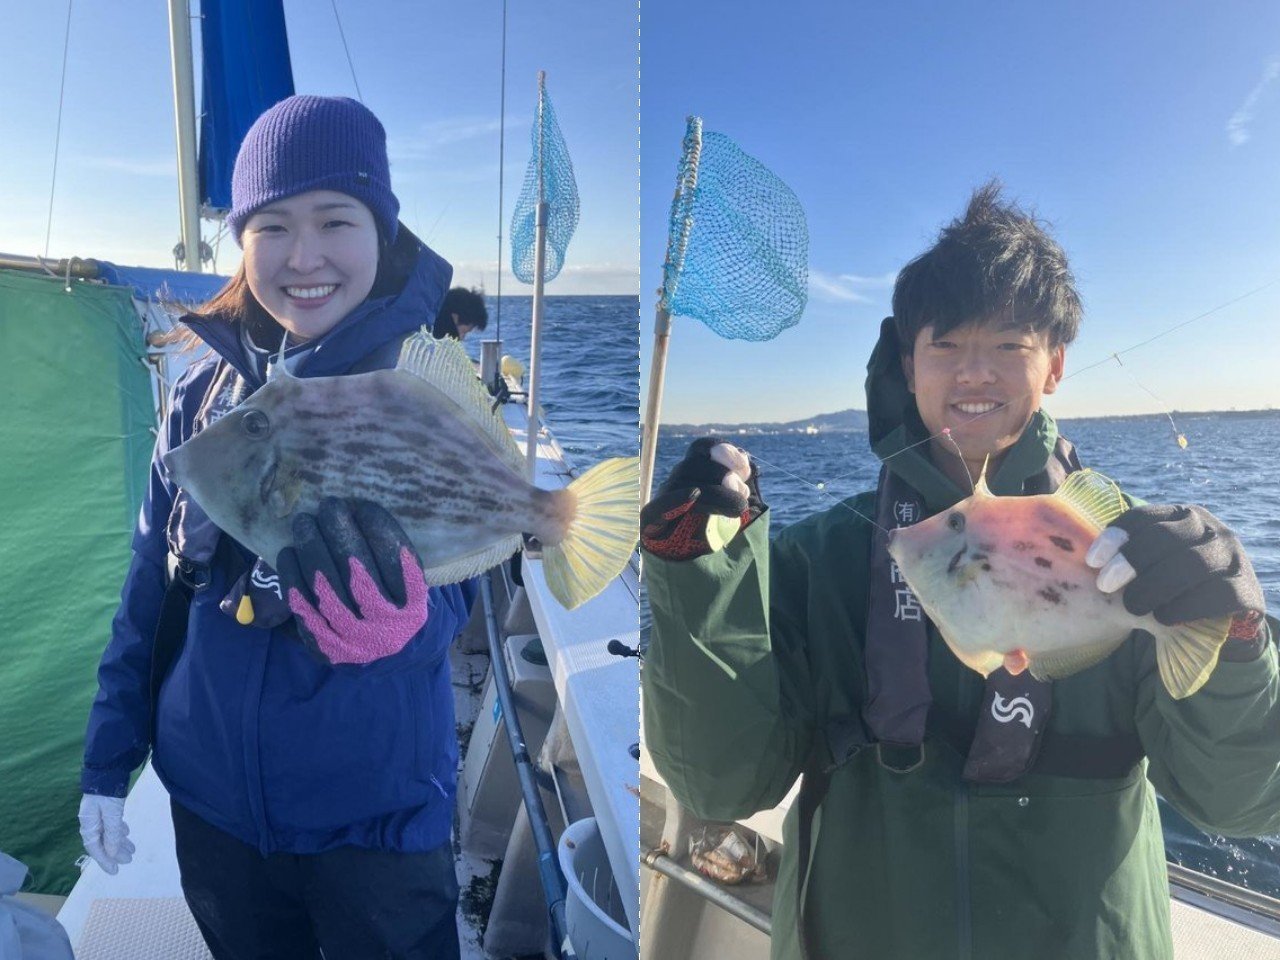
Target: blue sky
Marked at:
429, 70
1147, 133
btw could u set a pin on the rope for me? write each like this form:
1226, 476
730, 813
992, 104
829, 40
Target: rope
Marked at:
57, 139
347, 51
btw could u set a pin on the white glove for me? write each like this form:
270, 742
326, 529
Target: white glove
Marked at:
104, 832
739, 464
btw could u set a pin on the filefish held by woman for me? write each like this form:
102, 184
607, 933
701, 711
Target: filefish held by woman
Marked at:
423, 442
1005, 582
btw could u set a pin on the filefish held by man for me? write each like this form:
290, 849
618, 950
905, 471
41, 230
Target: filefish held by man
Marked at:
1005, 582
423, 442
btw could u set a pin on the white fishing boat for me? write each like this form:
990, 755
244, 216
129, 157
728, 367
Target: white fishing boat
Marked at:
560, 810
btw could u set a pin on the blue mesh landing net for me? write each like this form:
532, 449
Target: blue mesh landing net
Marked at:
559, 190
738, 242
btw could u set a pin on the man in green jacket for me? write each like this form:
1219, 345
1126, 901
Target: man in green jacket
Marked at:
943, 815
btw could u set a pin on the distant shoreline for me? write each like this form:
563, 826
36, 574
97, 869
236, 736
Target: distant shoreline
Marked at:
855, 421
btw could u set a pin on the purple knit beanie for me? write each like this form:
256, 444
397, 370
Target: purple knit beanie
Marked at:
314, 143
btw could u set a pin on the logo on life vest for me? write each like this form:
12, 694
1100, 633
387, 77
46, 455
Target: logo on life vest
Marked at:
1019, 708
264, 582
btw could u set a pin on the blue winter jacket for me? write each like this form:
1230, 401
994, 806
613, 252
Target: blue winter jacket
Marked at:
253, 734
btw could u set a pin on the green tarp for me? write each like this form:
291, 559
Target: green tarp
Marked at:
76, 432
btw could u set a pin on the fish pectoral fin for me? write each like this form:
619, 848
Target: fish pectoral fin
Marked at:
283, 497
1186, 654
985, 662
1015, 661
1056, 664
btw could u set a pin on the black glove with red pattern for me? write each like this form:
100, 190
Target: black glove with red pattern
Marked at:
714, 477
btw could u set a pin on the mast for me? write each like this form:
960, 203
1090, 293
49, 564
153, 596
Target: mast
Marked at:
185, 120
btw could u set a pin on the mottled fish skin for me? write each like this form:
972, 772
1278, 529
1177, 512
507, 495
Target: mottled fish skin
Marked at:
384, 436
1010, 575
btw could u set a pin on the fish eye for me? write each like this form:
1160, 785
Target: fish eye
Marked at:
956, 521
255, 424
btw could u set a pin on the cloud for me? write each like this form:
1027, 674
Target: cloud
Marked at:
142, 168
432, 136
1238, 126
602, 279
848, 287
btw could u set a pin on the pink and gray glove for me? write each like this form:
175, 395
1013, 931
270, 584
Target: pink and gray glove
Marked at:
353, 581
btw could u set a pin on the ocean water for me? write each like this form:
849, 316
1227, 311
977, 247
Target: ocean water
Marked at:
589, 394
1230, 467
590, 369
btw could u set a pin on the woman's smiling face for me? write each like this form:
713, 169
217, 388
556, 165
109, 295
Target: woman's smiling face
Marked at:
981, 383
311, 259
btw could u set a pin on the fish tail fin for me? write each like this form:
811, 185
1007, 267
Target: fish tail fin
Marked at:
1186, 654
602, 534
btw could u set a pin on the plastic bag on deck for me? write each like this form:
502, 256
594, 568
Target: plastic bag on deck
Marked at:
26, 933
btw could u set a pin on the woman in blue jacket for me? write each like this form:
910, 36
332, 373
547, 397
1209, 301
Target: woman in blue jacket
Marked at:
312, 780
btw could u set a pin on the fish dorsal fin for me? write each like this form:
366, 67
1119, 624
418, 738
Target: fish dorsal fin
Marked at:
980, 489
1093, 496
445, 365
277, 370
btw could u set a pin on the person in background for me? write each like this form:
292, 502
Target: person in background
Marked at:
298, 709
463, 310
931, 824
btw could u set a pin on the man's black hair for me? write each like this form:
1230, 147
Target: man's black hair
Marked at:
468, 305
996, 263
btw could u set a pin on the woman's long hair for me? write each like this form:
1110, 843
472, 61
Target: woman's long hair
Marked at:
235, 302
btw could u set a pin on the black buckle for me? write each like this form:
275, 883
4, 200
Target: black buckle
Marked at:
194, 576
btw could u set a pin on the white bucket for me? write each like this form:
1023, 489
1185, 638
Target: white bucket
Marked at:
593, 908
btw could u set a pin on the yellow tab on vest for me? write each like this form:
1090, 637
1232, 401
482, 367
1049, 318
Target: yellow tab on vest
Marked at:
244, 612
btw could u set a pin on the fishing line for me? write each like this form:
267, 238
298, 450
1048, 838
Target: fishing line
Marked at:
347, 51
1181, 439
820, 488
57, 137
973, 487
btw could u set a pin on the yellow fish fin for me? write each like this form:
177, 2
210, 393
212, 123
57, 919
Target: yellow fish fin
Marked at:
1186, 654
472, 564
721, 529
1093, 496
1056, 664
445, 365
602, 534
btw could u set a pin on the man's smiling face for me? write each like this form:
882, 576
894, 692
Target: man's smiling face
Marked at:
981, 383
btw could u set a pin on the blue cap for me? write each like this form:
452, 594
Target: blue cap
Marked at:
314, 143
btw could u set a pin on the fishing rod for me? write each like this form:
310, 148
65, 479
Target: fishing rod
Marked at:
552, 879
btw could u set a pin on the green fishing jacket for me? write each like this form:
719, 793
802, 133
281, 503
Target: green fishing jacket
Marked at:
757, 648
